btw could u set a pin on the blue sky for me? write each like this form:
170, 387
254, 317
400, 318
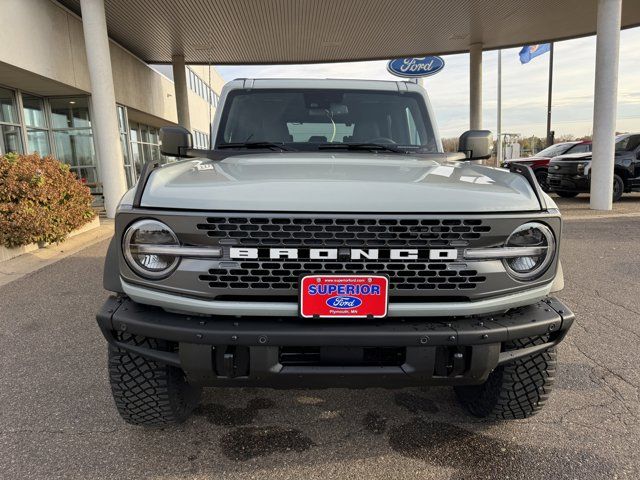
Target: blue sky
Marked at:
524, 87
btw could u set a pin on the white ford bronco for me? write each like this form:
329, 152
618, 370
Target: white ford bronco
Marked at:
326, 240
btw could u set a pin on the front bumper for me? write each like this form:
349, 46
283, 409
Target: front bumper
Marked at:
568, 183
295, 352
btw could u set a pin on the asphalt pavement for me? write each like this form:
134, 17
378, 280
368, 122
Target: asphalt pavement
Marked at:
57, 418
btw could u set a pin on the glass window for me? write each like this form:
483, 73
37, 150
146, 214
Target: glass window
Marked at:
8, 111
627, 143
33, 108
36, 123
580, 148
10, 139
555, 150
135, 135
10, 130
153, 136
307, 118
145, 146
73, 138
144, 133
38, 142
70, 112
75, 147
124, 144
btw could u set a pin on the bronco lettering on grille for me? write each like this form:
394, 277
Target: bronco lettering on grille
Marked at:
241, 253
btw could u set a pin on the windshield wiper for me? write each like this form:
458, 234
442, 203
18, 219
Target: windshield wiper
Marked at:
360, 146
268, 145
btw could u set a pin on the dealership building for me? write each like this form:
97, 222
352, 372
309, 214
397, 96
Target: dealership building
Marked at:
46, 102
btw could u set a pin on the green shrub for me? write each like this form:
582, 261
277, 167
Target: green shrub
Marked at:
40, 200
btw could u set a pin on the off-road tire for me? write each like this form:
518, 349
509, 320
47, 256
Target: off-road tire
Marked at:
565, 194
515, 390
146, 392
618, 187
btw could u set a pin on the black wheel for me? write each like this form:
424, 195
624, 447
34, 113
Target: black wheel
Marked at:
515, 390
618, 187
541, 176
564, 194
147, 392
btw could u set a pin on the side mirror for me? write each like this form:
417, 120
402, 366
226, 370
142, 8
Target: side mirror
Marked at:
175, 141
476, 144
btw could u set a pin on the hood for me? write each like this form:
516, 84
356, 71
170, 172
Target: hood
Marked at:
337, 182
572, 157
525, 159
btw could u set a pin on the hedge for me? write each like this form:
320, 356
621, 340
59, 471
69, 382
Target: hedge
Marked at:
41, 201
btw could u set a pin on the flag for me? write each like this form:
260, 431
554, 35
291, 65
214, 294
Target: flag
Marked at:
532, 51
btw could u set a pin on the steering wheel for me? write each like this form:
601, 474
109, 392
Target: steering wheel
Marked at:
381, 140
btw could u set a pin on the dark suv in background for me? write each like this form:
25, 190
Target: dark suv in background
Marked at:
539, 163
570, 174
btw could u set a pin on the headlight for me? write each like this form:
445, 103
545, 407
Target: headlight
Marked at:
535, 238
142, 246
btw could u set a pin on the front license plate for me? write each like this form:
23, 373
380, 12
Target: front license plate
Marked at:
346, 296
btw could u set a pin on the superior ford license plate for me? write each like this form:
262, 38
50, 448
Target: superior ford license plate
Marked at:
346, 296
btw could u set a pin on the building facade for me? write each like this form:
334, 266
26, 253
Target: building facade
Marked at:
46, 103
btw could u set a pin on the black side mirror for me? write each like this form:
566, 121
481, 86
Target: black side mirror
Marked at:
476, 144
175, 141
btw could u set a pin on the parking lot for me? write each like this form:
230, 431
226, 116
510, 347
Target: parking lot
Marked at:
58, 420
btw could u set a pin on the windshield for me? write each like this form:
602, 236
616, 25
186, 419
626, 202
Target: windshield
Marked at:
554, 150
627, 143
317, 119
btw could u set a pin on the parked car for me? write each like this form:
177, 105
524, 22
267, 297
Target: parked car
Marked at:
540, 161
570, 175
328, 240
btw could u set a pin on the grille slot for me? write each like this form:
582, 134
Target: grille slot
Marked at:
342, 232
284, 275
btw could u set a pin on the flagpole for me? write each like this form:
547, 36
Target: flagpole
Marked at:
550, 95
499, 119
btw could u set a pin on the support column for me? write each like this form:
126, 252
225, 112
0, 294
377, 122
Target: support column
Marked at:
499, 113
475, 86
182, 91
605, 100
103, 100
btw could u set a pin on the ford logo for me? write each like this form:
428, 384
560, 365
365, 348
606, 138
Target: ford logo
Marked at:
415, 67
344, 302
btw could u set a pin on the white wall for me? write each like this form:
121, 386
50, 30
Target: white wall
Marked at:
43, 38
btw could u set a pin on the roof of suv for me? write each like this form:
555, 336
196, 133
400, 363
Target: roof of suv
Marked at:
330, 83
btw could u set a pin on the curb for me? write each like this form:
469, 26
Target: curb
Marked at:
10, 253
27, 263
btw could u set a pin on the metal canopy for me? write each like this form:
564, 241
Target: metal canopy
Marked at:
307, 31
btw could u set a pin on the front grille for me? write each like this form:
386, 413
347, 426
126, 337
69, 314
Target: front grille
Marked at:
281, 277
285, 275
341, 232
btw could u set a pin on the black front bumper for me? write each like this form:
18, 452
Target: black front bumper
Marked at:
296, 352
568, 183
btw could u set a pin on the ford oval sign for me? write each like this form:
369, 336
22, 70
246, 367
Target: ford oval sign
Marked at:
344, 302
415, 67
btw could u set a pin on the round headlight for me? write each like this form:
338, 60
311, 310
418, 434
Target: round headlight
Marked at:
142, 246
539, 238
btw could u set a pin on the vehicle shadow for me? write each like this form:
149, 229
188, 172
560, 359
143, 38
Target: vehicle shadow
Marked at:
268, 429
